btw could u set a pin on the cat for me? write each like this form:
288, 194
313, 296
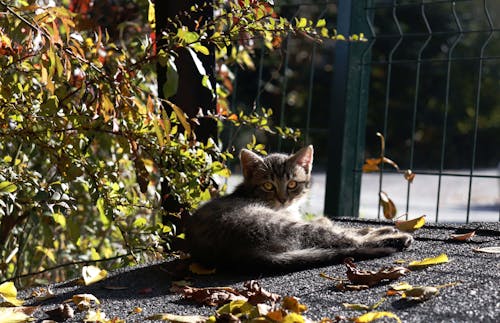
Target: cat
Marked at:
259, 227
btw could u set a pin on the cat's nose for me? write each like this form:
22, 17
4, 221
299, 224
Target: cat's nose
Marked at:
282, 200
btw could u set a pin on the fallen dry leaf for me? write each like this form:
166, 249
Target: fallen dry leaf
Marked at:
83, 301
292, 304
212, 296
371, 278
95, 317
495, 249
93, 274
177, 318
8, 295
16, 314
372, 316
411, 225
441, 259
256, 294
217, 296
388, 207
420, 293
397, 289
362, 307
463, 237
61, 313
42, 293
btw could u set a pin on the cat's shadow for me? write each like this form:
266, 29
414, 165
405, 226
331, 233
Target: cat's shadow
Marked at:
145, 282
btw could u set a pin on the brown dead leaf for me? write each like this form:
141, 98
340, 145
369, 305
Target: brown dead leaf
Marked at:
61, 313
256, 294
83, 301
292, 304
371, 165
463, 237
371, 278
42, 293
388, 206
212, 296
252, 293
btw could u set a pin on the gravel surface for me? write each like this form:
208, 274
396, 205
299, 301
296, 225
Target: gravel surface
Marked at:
475, 299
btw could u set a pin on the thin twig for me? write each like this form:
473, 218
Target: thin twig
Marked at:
81, 262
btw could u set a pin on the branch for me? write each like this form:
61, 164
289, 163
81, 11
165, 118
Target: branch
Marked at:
81, 262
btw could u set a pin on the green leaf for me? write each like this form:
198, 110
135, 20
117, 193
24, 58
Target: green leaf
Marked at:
200, 49
172, 84
7, 187
59, 219
302, 22
321, 23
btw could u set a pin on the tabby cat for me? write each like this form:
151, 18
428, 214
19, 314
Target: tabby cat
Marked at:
259, 226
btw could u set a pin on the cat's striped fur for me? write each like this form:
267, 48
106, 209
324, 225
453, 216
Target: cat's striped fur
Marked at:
259, 227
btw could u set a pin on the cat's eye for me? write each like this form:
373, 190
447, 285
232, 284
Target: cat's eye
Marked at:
268, 186
291, 185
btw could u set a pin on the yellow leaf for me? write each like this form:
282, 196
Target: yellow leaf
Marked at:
198, 269
181, 116
372, 316
420, 293
95, 316
442, 258
401, 286
177, 318
8, 294
411, 225
107, 108
293, 318
78, 298
93, 274
13, 315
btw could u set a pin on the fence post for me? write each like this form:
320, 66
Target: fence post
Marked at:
348, 112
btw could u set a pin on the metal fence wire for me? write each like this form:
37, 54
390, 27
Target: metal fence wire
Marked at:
428, 79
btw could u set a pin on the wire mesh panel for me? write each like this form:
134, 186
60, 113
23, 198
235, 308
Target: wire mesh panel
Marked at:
294, 81
427, 79
435, 75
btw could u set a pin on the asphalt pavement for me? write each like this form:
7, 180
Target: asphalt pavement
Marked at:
474, 294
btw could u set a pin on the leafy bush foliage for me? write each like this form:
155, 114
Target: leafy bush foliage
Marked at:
86, 140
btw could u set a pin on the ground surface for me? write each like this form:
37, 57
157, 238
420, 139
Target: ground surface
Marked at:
476, 299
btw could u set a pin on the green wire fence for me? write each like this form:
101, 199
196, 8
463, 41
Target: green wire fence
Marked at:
428, 79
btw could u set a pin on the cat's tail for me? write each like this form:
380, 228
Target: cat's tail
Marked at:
313, 257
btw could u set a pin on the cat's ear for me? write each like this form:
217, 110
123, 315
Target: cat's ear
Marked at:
249, 161
304, 158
